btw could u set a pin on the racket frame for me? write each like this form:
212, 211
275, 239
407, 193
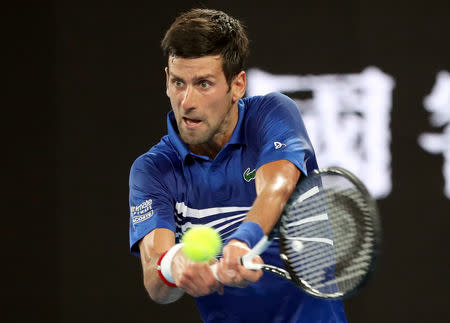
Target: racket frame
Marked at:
289, 273
373, 214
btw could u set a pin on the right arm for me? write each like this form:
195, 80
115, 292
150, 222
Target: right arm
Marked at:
196, 279
151, 247
152, 227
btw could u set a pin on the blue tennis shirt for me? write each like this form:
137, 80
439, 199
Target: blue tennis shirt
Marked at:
173, 188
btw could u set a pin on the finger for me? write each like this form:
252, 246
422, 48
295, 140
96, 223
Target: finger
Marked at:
194, 278
251, 275
208, 278
225, 275
232, 253
189, 287
188, 283
212, 261
230, 277
205, 279
215, 282
198, 280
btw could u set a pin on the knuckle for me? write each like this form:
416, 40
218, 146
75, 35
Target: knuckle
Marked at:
186, 276
183, 282
209, 282
203, 291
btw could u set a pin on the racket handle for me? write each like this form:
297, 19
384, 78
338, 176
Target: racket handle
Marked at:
259, 248
214, 269
247, 260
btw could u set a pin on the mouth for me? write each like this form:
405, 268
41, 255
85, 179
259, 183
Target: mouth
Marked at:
191, 123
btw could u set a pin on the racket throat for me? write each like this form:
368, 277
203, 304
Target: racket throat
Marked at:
277, 271
259, 248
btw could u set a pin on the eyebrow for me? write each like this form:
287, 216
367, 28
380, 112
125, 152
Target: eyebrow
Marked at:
196, 79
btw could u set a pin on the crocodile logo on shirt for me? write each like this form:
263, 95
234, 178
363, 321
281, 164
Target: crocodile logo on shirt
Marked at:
249, 175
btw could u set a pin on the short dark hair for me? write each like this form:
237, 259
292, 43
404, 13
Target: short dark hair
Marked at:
202, 32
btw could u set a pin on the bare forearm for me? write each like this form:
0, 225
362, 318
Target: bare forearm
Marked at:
158, 291
267, 208
151, 247
275, 183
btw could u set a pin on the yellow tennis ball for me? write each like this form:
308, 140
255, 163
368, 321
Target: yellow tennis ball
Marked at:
201, 243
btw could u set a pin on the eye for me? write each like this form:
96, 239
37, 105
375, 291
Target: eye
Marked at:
177, 83
205, 84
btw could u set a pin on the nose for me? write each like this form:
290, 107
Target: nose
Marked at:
189, 98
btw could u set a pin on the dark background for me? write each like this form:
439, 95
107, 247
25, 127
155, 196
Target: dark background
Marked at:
85, 96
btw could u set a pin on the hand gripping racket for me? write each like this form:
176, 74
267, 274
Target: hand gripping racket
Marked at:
329, 235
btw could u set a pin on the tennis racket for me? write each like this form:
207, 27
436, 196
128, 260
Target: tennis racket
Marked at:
329, 235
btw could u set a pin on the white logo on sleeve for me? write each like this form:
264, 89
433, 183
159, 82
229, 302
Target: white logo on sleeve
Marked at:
141, 212
278, 145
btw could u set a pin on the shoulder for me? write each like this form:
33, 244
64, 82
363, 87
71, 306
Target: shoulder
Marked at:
276, 98
270, 109
272, 102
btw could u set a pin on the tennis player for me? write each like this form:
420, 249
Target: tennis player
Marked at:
227, 162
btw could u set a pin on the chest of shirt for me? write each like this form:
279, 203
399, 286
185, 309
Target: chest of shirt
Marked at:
228, 180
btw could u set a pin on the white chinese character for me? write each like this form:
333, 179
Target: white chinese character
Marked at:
347, 117
438, 103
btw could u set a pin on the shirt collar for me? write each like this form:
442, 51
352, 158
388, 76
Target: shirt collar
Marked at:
237, 138
172, 130
238, 134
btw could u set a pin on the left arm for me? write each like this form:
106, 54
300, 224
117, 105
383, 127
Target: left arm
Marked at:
275, 182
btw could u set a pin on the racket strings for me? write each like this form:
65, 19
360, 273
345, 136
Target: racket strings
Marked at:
338, 266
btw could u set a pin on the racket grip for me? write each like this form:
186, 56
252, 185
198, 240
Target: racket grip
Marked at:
259, 248
247, 260
252, 266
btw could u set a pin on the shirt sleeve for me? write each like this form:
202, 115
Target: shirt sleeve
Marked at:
281, 133
151, 206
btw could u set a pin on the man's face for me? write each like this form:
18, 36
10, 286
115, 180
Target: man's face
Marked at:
204, 105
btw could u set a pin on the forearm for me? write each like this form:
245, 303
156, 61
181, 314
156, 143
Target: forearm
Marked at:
150, 254
275, 183
158, 291
267, 208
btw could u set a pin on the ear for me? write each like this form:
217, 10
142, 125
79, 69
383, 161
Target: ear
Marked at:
238, 86
167, 80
